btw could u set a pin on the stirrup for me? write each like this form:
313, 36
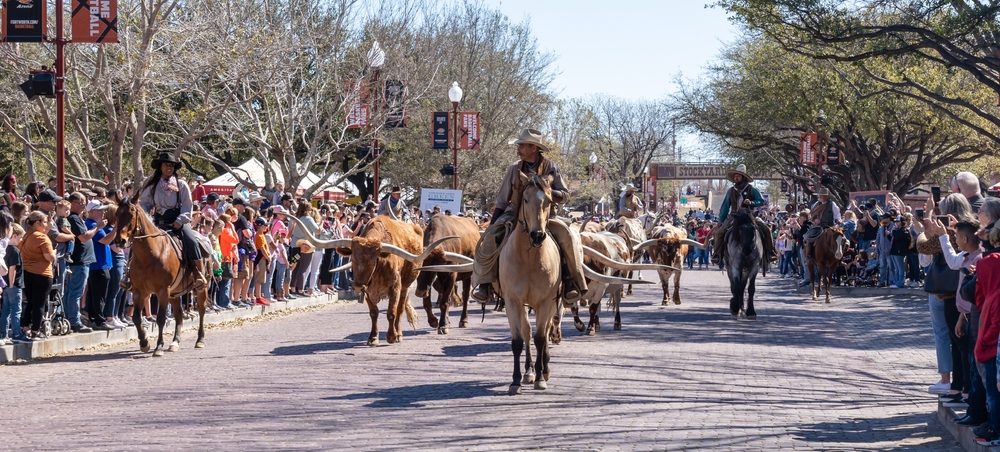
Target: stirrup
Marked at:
482, 293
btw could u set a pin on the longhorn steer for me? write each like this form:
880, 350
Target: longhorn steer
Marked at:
446, 284
384, 260
667, 246
634, 231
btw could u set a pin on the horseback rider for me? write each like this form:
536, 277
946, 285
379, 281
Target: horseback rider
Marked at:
629, 205
740, 195
168, 199
823, 215
529, 150
393, 206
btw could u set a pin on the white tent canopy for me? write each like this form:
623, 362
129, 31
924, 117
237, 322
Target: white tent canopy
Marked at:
253, 171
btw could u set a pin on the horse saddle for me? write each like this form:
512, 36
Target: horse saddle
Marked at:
812, 234
178, 246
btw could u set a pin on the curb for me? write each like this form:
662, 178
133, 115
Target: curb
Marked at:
59, 345
946, 416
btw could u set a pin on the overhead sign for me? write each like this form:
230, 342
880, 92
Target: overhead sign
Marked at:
469, 136
698, 171
95, 21
807, 148
439, 197
24, 20
439, 130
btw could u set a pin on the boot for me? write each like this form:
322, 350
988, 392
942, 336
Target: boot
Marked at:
199, 278
482, 292
570, 292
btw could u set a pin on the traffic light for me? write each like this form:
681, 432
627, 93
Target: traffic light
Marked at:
447, 170
39, 83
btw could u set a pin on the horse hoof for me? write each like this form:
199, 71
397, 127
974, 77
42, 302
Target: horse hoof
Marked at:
173, 347
373, 342
541, 385
199, 344
157, 353
144, 347
591, 331
432, 322
665, 303
514, 390
579, 326
463, 324
752, 317
618, 327
528, 379
677, 301
827, 301
443, 330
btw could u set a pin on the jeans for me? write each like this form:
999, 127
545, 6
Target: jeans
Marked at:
97, 291
702, 258
786, 262
942, 340
913, 268
806, 271
898, 270
977, 393
279, 275
988, 374
112, 305
265, 289
74, 291
337, 262
222, 295
884, 268
11, 310
864, 244
689, 258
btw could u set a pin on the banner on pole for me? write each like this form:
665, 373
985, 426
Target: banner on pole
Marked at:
395, 112
357, 116
439, 130
95, 21
469, 135
807, 148
24, 20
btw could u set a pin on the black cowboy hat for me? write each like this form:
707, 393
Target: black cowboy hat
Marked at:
166, 157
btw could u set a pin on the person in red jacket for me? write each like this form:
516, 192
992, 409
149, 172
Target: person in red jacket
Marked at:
988, 301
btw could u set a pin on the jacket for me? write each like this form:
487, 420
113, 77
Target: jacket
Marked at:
988, 301
738, 195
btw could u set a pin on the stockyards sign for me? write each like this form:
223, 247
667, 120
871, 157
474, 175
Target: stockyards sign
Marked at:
698, 171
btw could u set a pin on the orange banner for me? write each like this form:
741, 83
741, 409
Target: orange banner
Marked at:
95, 21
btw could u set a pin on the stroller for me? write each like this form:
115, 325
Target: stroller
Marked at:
54, 321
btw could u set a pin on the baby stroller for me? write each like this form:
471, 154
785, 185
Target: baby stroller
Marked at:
54, 321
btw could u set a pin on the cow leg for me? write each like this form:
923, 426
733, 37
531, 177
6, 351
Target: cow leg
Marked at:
677, 286
617, 297
444, 285
629, 291
576, 319
555, 331
665, 285
466, 290
432, 320
751, 288
373, 313
545, 311
516, 346
595, 319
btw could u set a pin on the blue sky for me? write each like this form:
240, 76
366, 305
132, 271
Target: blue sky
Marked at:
627, 48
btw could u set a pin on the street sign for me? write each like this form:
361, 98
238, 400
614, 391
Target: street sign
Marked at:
469, 135
699, 171
807, 148
439, 130
24, 20
95, 21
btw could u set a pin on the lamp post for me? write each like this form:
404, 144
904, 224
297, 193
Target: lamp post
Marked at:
376, 58
455, 96
645, 189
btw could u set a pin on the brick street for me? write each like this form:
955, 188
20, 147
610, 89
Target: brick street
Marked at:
846, 376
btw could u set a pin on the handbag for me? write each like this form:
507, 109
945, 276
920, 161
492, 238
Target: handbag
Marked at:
940, 279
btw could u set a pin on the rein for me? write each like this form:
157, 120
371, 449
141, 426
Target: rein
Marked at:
535, 181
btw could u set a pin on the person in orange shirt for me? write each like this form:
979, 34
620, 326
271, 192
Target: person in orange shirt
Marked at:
227, 242
37, 256
262, 260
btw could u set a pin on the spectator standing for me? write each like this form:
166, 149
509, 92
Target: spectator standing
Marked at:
37, 257
227, 244
883, 244
262, 262
988, 301
81, 258
302, 251
898, 247
9, 188
10, 304
99, 308
968, 186
199, 193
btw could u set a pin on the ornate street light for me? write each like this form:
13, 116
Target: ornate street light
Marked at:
455, 96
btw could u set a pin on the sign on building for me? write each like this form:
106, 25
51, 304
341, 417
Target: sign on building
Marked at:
698, 171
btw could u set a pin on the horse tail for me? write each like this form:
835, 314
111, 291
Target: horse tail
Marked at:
411, 314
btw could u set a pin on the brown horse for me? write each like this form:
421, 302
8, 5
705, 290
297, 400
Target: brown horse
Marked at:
827, 250
155, 269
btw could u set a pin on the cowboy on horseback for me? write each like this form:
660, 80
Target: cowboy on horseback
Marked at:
629, 205
168, 199
823, 215
529, 150
740, 195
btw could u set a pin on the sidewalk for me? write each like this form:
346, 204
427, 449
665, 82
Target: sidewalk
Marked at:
963, 435
59, 345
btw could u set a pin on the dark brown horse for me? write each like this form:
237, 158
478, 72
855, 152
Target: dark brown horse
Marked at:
155, 269
827, 250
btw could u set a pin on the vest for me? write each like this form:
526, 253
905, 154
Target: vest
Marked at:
825, 216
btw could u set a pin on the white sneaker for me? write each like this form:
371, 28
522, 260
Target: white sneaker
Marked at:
6, 341
118, 323
940, 388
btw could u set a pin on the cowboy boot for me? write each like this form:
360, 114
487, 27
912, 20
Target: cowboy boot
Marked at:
482, 292
199, 278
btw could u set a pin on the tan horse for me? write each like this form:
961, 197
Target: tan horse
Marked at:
155, 269
827, 251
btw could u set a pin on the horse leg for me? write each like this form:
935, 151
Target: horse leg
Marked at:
161, 321
516, 346
373, 313
529, 368
175, 343
545, 311
677, 286
736, 302
827, 280
577, 322
751, 288
202, 302
466, 291
140, 300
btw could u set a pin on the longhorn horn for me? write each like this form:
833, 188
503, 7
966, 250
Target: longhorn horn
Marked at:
344, 267
460, 258
393, 249
594, 276
456, 268
624, 266
321, 244
645, 244
693, 243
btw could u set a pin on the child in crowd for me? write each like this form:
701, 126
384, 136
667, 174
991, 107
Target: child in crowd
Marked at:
10, 312
262, 260
62, 225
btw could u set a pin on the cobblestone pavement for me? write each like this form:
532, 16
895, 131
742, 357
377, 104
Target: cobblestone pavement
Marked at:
846, 376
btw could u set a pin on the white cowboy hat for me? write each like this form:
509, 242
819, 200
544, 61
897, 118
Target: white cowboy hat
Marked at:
741, 170
254, 196
531, 136
95, 205
630, 187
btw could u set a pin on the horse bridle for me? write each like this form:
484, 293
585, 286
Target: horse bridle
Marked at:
520, 211
136, 226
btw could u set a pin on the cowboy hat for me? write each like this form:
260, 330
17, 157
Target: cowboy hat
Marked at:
823, 192
741, 170
305, 245
630, 187
531, 136
254, 197
166, 157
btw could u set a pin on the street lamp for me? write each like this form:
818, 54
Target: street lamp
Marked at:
645, 189
455, 96
376, 58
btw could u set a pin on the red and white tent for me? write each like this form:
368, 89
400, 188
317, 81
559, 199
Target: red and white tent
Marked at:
253, 170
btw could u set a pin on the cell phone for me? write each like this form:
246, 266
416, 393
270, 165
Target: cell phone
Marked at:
936, 194
943, 219
920, 214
